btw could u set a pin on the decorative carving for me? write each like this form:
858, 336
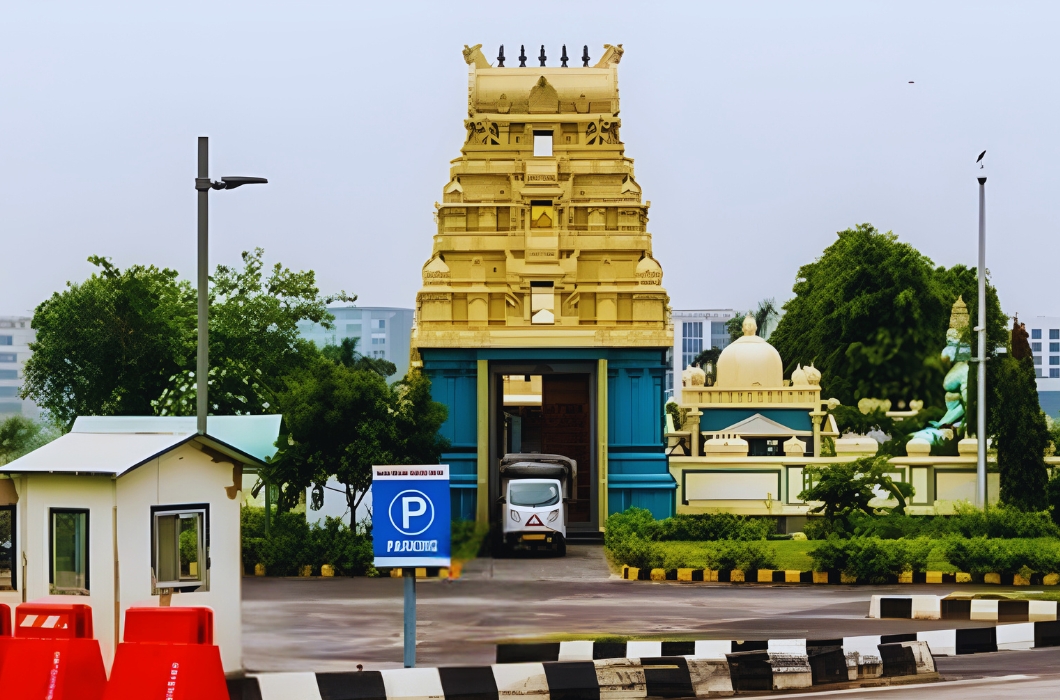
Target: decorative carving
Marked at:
543, 98
604, 131
484, 132
612, 55
581, 105
504, 105
473, 55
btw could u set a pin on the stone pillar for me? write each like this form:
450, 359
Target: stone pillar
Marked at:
692, 423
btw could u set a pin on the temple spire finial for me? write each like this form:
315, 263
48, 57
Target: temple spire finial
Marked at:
585, 56
500, 57
563, 58
542, 57
522, 56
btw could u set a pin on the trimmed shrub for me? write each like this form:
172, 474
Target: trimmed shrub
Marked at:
703, 527
292, 544
469, 540
871, 559
981, 555
967, 521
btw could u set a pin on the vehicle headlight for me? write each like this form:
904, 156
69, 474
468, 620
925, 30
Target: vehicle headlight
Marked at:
553, 515
515, 515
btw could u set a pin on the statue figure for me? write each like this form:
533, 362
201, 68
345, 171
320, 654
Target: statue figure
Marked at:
956, 381
473, 55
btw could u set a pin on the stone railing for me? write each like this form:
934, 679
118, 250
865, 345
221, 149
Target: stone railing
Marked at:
789, 397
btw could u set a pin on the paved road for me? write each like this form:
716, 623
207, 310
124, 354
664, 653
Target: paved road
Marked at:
334, 624
1008, 686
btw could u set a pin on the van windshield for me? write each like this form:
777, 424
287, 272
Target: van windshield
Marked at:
532, 495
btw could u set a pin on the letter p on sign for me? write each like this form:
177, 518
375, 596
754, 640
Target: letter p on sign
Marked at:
407, 511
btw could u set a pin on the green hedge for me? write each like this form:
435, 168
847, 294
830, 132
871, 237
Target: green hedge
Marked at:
692, 528
725, 541
871, 559
982, 555
292, 544
997, 522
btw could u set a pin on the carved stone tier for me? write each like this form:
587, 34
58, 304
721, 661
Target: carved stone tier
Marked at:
547, 246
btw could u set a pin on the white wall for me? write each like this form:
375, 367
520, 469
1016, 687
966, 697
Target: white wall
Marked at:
185, 476
37, 495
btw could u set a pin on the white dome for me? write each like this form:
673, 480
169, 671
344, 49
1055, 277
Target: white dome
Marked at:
750, 362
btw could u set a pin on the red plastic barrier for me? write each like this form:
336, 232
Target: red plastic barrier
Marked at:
52, 655
167, 653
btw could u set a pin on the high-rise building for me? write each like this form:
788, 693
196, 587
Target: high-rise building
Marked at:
380, 331
15, 337
1045, 346
694, 332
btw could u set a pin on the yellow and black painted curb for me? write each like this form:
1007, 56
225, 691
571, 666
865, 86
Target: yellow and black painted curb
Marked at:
633, 573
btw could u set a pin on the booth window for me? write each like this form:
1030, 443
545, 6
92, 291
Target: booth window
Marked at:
69, 551
8, 579
180, 546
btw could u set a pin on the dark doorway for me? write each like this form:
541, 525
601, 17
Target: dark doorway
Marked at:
548, 409
565, 430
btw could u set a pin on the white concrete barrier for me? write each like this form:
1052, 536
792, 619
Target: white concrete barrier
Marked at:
521, 681
1041, 610
620, 679
1015, 637
790, 671
289, 686
636, 650
863, 656
710, 676
983, 609
712, 648
942, 642
413, 684
580, 650
787, 646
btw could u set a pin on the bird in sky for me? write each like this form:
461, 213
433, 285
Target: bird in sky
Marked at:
980, 159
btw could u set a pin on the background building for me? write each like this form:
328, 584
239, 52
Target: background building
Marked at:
695, 331
381, 331
1045, 344
15, 337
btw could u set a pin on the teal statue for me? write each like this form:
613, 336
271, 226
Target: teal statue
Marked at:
956, 381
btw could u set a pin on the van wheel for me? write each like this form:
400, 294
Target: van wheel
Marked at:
561, 547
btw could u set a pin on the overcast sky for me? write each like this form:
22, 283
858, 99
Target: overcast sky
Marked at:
758, 131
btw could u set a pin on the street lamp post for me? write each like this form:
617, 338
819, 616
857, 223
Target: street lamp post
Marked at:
980, 405
203, 185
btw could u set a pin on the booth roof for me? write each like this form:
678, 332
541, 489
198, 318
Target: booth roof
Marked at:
118, 444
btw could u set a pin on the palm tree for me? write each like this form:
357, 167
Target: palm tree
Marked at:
765, 316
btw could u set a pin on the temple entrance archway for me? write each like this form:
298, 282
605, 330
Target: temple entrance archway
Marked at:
547, 408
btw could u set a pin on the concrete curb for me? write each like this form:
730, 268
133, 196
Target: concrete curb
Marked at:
954, 642
932, 607
633, 573
607, 679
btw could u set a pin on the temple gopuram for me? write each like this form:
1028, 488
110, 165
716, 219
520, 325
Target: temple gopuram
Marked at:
542, 321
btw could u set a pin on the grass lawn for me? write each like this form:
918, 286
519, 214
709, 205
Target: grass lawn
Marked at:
792, 555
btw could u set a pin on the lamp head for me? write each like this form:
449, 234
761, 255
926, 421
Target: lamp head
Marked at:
230, 183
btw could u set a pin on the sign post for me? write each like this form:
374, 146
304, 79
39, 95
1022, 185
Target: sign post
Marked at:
410, 529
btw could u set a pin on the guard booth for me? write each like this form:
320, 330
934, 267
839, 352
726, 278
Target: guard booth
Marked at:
542, 321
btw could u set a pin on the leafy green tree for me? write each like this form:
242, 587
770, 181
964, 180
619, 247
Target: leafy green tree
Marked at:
765, 315
346, 353
339, 420
254, 338
872, 313
108, 345
1022, 434
20, 435
845, 489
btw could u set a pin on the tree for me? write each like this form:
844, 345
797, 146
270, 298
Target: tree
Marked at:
871, 314
254, 338
1022, 434
346, 353
846, 488
765, 315
20, 435
108, 345
341, 419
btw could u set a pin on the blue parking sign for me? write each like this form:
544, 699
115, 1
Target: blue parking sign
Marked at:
410, 515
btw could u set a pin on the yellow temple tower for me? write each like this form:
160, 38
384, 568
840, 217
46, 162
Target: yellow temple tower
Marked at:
542, 320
